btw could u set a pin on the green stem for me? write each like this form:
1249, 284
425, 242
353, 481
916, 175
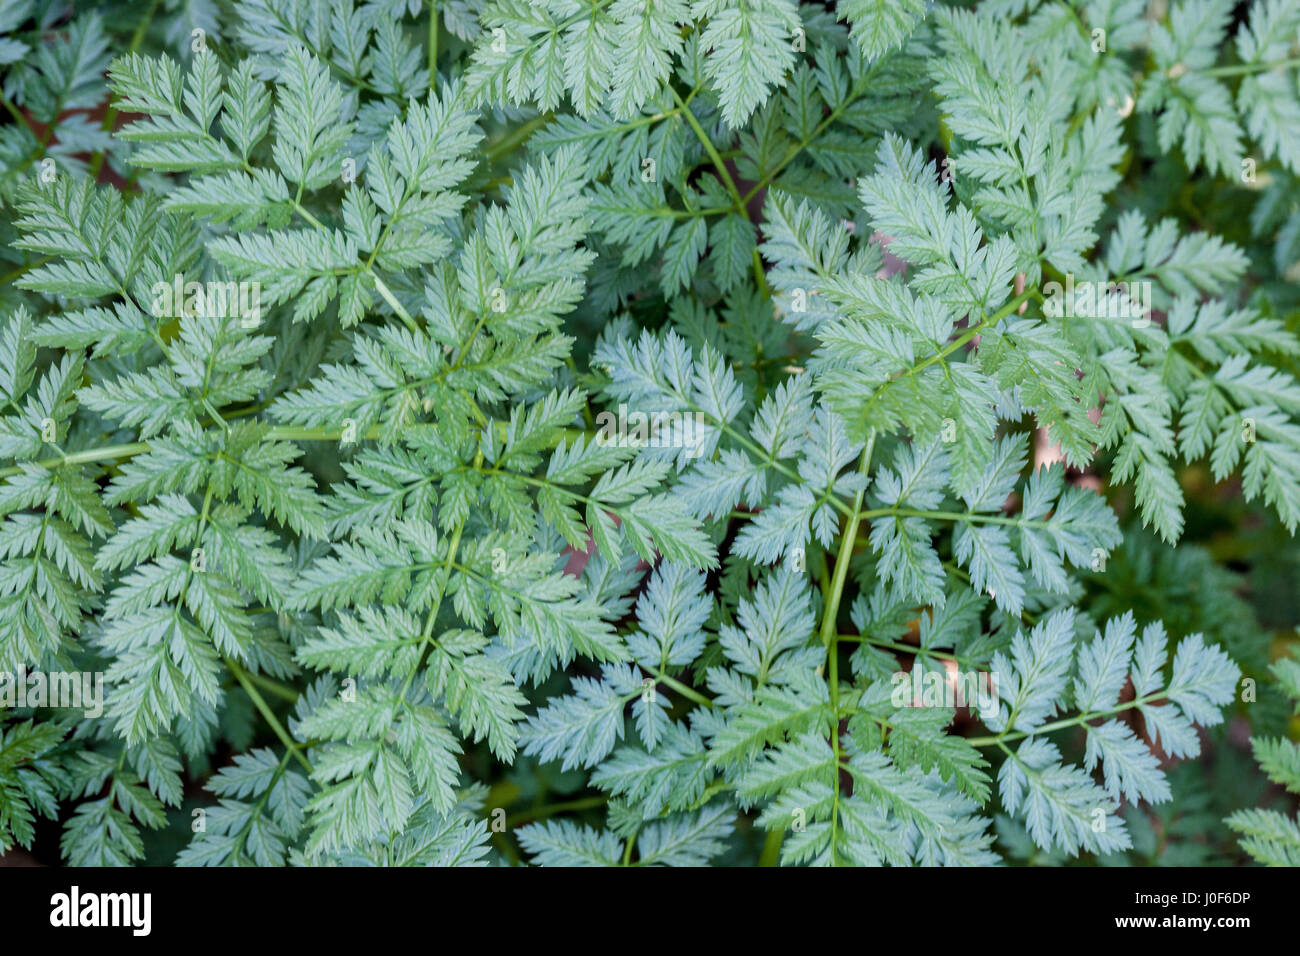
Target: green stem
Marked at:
17, 114
711, 150
541, 813
267, 714
711, 791
448, 563
433, 44
396, 306
829, 632
1242, 69
110, 115
507, 144
17, 273
241, 838
687, 692
753, 448
274, 687
760, 278
974, 331
119, 452
953, 516
1075, 721
274, 433
302, 433
971, 333
902, 648
771, 855
107, 453
803, 144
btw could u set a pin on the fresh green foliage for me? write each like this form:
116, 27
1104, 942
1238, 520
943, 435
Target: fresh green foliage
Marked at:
1267, 835
676, 432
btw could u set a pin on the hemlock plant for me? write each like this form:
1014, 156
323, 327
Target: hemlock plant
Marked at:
645, 432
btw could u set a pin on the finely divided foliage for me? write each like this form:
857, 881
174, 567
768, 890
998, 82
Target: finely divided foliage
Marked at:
353, 542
